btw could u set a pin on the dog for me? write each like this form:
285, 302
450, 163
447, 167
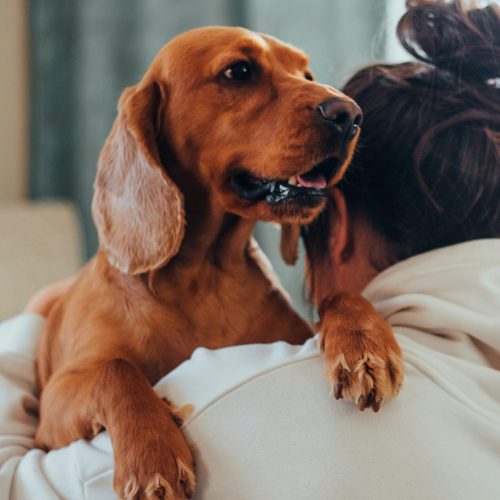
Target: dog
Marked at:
227, 127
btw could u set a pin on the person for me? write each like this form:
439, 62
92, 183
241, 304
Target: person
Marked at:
415, 226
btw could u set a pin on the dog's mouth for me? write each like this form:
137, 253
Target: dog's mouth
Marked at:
308, 187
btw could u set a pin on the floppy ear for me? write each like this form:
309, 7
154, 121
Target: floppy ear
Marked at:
137, 208
290, 234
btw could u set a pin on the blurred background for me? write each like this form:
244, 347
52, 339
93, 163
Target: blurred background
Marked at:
64, 64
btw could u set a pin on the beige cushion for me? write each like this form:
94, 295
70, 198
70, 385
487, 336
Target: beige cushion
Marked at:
39, 243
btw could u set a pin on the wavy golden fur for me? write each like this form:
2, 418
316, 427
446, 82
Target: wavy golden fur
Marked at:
177, 267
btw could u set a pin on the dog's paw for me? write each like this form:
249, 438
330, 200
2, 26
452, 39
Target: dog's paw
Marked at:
363, 360
154, 461
366, 378
159, 487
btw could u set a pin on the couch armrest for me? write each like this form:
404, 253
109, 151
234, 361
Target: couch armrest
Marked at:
39, 243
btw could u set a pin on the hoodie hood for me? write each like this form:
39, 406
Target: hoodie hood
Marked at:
447, 299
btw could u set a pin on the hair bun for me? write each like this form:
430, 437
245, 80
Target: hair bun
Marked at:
452, 37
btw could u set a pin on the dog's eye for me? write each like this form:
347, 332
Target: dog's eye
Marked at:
309, 76
241, 70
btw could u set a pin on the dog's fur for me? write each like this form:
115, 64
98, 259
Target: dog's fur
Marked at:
177, 267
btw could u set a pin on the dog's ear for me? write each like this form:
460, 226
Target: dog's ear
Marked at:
137, 208
289, 245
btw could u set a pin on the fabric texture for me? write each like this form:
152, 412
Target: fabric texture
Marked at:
266, 427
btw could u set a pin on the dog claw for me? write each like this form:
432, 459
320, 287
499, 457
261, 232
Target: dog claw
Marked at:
337, 391
370, 399
187, 479
160, 492
362, 403
159, 488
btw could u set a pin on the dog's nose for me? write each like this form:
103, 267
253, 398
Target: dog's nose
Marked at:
345, 116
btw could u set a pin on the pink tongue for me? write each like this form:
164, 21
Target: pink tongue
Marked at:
318, 182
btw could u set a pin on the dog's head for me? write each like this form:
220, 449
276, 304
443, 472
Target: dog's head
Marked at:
238, 112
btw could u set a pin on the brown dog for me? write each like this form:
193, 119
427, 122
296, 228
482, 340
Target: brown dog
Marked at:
226, 128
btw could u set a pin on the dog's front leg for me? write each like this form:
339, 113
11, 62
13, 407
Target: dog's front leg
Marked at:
363, 360
152, 458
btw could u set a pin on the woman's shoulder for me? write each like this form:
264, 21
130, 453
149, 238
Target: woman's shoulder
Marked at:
266, 424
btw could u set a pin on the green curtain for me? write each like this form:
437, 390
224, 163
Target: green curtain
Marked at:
83, 53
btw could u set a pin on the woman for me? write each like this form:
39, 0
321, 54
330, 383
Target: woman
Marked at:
415, 225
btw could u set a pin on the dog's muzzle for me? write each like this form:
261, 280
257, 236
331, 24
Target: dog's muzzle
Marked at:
306, 189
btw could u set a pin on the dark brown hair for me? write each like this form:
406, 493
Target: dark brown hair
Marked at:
426, 172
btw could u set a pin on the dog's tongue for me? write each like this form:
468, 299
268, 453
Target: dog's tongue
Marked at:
317, 181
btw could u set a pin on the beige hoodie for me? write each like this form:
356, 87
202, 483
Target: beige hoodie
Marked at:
265, 424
